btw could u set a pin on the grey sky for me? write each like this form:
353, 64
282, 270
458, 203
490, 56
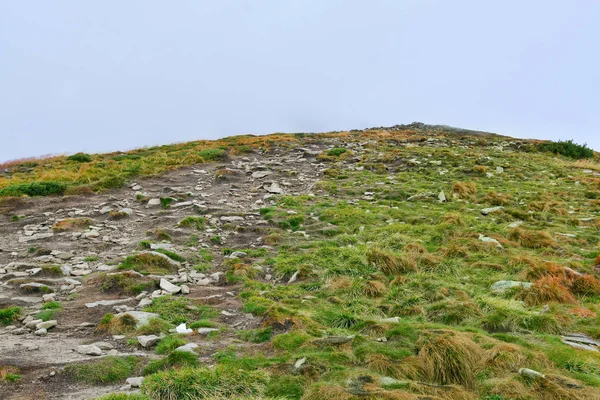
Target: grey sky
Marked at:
113, 75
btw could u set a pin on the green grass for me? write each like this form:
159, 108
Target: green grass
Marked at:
174, 360
203, 383
336, 151
171, 255
387, 286
168, 344
34, 189
105, 371
9, 315
177, 310
124, 396
147, 263
193, 222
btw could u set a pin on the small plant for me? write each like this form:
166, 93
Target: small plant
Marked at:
9, 315
193, 222
216, 240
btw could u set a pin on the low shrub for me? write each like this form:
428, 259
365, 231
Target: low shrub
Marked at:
567, 148
34, 189
80, 157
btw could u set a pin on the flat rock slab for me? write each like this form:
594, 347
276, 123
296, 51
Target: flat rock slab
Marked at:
89, 350
108, 302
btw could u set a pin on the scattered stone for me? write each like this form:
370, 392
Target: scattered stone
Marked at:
205, 331
135, 382
502, 286
47, 324
486, 239
183, 329
188, 348
89, 350
531, 374
490, 210
169, 287
147, 340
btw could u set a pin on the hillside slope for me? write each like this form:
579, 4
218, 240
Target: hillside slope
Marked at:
410, 262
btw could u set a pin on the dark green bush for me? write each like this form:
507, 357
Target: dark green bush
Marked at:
80, 157
34, 189
213, 154
568, 149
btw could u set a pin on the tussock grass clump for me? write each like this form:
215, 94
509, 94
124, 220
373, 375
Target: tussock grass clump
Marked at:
545, 290
497, 199
389, 263
290, 341
104, 371
449, 358
452, 312
176, 359
204, 383
147, 263
374, 288
169, 343
117, 325
124, 282
193, 222
532, 239
177, 310
464, 190
9, 315
72, 224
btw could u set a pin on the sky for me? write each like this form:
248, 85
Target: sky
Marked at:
109, 75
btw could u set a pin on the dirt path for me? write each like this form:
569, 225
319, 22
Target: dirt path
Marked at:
226, 193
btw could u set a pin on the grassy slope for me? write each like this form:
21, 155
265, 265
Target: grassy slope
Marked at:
371, 254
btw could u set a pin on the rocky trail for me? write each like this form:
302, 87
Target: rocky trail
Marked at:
116, 222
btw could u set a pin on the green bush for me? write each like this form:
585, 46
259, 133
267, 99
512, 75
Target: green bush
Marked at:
80, 157
204, 383
568, 149
9, 315
34, 189
111, 182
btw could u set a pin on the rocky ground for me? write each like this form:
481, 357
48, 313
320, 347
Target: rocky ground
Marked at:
226, 193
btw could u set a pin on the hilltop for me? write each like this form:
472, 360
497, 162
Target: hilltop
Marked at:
407, 262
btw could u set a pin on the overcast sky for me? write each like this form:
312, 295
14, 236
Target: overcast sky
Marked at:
107, 75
